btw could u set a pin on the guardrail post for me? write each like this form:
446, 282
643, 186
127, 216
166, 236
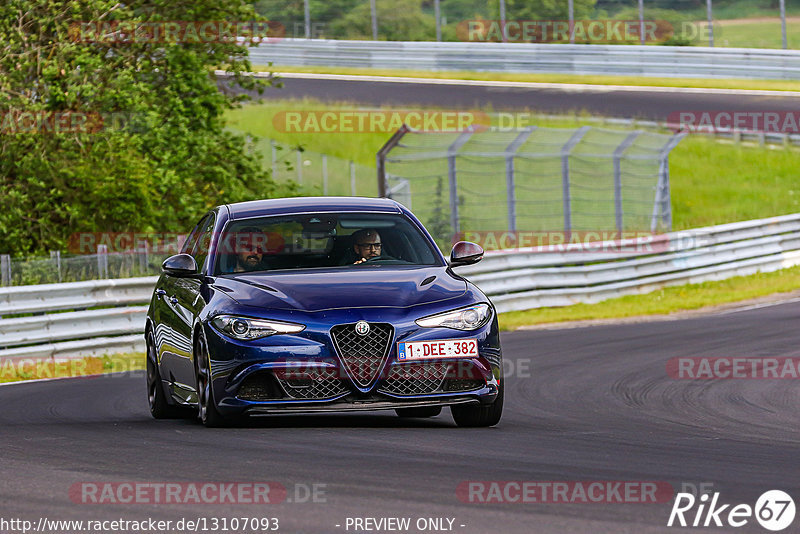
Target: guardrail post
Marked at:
452, 176
5, 269
566, 198
618, 153
511, 197
55, 255
102, 262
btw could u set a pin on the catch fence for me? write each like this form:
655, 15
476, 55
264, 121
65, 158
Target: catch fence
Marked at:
533, 179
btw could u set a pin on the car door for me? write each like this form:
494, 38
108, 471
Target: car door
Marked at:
181, 305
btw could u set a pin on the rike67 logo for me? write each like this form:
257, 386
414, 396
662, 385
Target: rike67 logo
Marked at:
774, 510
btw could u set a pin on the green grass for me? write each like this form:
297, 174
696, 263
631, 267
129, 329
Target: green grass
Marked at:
756, 34
42, 368
664, 301
742, 84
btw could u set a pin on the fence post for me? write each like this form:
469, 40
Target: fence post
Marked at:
299, 167
566, 198
5, 269
511, 198
141, 251
437, 10
274, 147
55, 255
352, 179
325, 174
102, 262
374, 16
452, 175
380, 158
710, 16
641, 21
783, 24
618, 152
307, 19
662, 200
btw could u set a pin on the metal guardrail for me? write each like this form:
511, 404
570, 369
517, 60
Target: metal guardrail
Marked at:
536, 278
626, 60
515, 280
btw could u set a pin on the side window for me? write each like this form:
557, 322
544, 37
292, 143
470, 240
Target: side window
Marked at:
191, 240
200, 249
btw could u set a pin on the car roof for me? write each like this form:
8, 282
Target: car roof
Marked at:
288, 206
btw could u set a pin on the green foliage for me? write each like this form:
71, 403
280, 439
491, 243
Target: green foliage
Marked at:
542, 9
172, 160
399, 20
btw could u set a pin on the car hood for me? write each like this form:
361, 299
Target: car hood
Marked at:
324, 289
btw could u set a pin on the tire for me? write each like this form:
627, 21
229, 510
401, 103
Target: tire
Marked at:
160, 408
206, 407
424, 411
479, 416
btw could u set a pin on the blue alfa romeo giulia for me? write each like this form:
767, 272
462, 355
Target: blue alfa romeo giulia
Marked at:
320, 305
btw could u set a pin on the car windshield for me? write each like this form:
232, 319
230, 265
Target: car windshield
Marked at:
310, 241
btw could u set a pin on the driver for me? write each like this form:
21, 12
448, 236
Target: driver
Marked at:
367, 244
249, 248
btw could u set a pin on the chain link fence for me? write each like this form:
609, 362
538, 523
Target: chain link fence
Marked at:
60, 267
536, 179
316, 173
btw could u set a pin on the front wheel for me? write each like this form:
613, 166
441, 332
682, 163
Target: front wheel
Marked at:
476, 416
206, 407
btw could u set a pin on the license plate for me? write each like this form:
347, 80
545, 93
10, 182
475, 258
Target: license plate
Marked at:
445, 348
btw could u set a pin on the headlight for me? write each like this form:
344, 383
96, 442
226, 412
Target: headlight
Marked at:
245, 328
468, 318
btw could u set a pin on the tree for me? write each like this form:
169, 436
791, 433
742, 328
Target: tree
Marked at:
169, 160
398, 20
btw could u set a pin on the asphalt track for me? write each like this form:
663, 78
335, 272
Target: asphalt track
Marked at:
598, 405
609, 102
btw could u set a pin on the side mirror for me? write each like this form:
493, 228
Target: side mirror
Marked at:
180, 265
465, 253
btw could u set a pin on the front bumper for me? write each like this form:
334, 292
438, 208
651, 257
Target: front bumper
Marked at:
356, 406
271, 375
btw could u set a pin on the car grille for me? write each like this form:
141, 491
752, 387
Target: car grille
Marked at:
430, 377
363, 356
321, 383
